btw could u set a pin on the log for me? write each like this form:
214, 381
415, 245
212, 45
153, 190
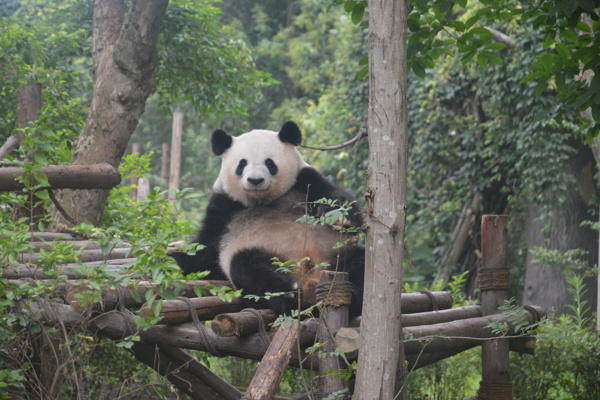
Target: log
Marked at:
437, 317
131, 296
180, 377
58, 289
96, 176
493, 283
270, 371
53, 313
70, 271
213, 381
186, 336
421, 302
241, 323
86, 255
177, 311
448, 335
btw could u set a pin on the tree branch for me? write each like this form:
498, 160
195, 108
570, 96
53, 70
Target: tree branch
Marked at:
363, 133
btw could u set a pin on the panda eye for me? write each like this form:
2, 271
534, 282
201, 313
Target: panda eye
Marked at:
271, 166
240, 168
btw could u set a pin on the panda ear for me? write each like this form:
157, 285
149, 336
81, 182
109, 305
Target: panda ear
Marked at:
290, 133
220, 141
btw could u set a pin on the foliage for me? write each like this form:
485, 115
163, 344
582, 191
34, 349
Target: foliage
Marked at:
148, 226
201, 64
570, 339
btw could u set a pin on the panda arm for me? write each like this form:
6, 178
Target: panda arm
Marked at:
219, 212
315, 186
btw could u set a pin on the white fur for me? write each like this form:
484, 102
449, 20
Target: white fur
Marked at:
256, 146
273, 229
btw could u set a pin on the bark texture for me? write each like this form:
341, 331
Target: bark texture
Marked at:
125, 56
381, 369
545, 286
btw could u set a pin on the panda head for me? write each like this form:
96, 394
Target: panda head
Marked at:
259, 166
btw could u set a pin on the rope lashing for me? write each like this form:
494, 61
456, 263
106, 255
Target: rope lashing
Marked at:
334, 294
434, 304
262, 326
201, 328
494, 391
494, 279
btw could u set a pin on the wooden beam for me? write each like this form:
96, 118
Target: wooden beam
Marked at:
96, 176
133, 296
178, 311
270, 371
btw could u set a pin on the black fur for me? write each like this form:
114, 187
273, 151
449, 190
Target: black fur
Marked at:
253, 270
219, 212
220, 141
290, 133
315, 186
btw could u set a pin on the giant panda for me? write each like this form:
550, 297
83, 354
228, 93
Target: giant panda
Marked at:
263, 187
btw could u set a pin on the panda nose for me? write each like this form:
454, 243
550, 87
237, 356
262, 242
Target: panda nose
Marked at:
256, 181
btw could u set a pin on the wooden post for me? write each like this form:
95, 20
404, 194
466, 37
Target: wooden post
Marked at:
494, 283
135, 148
164, 165
335, 291
273, 364
30, 104
175, 155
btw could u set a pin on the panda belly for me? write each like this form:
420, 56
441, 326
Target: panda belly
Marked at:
286, 240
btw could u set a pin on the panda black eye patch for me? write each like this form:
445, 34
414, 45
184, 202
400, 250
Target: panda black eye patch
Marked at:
271, 166
240, 168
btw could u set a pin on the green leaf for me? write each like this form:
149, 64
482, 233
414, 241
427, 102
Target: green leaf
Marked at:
358, 12
42, 194
418, 69
40, 159
482, 59
467, 57
563, 50
494, 58
569, 35
495, 46
362, 73
41, 179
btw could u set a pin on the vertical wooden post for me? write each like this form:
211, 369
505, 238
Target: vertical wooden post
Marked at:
175, 155
135, 148
164, 165
335, 291
30, 104
494, 282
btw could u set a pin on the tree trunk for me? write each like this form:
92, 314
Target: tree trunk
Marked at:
124, 56
381, 369
545, 286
